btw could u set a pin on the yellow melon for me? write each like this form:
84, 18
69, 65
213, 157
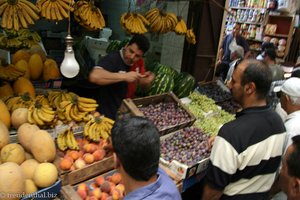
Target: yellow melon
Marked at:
23, 66
6, 90
4, 135
23, 85
35, 65
4, 114
28, 167
42, 146
19, 117
24, 134
12, 182
45, 174
28, 156
50, 70
30, 187
13, 153
19, 55
36, 48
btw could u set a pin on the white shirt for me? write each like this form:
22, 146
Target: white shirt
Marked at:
292, 125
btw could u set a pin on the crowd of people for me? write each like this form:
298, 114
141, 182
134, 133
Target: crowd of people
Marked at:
252, 157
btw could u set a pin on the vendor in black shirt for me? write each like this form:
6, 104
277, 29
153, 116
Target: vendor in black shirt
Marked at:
113, 75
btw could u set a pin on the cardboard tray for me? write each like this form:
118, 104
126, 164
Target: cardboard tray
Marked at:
182, 171
131, 107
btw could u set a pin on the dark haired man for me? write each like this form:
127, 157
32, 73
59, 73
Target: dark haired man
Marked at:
113, 75
269, 56
289, 178
136, 145
247, 151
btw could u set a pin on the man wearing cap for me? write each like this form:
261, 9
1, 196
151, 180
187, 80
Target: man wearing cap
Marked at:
290, 102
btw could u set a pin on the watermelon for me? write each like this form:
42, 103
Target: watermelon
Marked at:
184, 84
161, 84
163, 69
113, 46
123, 43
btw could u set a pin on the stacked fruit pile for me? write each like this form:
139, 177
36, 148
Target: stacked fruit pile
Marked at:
168, 79
165, 114
14, 40
102, 187
26, 167
85, 153
209, 116
214, 91
188, 146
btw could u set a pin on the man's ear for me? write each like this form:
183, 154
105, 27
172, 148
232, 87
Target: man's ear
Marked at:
117, 162
295, 186
250, 88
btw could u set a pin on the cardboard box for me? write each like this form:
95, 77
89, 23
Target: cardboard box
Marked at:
131, 107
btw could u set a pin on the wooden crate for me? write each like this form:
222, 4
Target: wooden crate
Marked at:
69, 191
91, 170
131, 107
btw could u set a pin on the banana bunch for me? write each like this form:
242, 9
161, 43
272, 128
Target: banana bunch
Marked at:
41, 99
15, 102
18, 14
134, 23
97, 128
56, 97
28, 34
190, 36
10, 72
180, 27
160, 21
55, 10
66, 140
88, 15
76, 109
41, 115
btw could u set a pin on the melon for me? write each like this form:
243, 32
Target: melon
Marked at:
4, 114
25, 133
35, 66
45, 175
37, 49
6, 90
20, 55
11, 181
28, 167
50, 70
42, 146
13, 153
23, 85
19, 117
30, 187
23, 66
4, 135
28, 156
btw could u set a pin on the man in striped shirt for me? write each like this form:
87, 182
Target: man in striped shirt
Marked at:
247, 151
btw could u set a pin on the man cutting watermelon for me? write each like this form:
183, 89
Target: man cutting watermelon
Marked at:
119, 71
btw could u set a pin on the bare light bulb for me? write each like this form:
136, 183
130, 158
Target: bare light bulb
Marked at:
69, 66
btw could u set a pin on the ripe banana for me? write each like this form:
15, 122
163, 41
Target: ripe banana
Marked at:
134, 23
61, 141
190, 36
71, 141
180, 27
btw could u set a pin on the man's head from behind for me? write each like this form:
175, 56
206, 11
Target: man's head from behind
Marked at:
290, 95
137, 147
290, 173
250, 78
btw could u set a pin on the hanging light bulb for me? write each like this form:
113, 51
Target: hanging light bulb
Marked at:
69, 66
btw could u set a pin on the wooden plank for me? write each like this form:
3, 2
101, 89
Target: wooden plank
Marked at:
92, 170
69, 193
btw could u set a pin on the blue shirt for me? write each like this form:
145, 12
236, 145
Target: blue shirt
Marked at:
239, 41
163, 189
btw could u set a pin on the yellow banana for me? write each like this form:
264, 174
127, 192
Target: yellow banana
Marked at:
36, 117
73, 115
67, 112
61, 141
86, 128
71, 141
86, 100
29, 115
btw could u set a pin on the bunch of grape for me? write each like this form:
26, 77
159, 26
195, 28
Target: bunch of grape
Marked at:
230, 106
205, 103
215, 92
165, 114
187, 146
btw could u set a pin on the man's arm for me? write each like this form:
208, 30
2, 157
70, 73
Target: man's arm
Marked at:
210, 193
101, 76
146, 81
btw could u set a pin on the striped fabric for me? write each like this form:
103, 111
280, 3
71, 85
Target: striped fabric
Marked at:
246, 154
